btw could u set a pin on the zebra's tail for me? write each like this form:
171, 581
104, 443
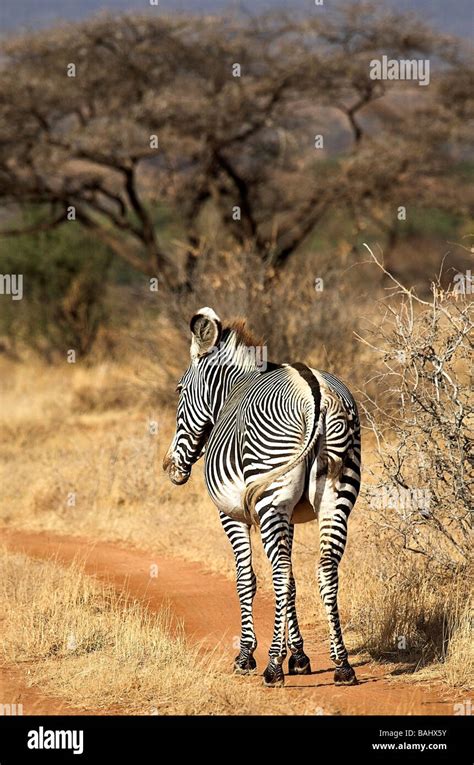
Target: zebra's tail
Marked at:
261, 484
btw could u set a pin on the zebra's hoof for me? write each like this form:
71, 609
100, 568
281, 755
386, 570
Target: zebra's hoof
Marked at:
273, 676
245, 665
345, 675
299, 664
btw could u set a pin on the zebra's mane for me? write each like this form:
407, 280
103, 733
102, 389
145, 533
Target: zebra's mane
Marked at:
243, 335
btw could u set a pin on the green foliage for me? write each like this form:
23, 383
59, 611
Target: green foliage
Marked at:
435, 222
463, 170
65, 272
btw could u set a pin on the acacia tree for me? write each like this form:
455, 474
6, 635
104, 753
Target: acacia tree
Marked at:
105, 119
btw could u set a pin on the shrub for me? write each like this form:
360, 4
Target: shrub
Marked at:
64, 284
422, 422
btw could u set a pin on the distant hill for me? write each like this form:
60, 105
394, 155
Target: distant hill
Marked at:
455, 16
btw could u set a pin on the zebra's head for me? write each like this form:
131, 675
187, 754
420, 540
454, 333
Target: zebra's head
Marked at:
194, 416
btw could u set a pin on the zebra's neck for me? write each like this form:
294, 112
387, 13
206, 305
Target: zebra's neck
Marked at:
231, 364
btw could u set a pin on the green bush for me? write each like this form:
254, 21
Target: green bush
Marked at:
65, 272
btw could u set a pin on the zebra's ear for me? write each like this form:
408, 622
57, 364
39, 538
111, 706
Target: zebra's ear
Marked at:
206, 328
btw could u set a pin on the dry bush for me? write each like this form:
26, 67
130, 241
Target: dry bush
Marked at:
420, 497
307, 314
422, 420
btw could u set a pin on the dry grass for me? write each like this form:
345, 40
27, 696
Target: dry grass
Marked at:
78, 458
404, 615
68, 630
458, 668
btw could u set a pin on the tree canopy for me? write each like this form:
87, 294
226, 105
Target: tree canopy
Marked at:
102, 121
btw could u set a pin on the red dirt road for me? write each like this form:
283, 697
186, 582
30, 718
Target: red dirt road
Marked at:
207, 605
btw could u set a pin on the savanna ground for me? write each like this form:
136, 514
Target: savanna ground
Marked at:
81, 452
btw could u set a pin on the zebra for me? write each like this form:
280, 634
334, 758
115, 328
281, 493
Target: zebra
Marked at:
282, 446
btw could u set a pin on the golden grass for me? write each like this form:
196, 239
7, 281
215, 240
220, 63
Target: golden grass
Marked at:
458, 668
84, 642
416, 620
78, 457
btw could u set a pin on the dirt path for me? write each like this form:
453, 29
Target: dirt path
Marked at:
207, 605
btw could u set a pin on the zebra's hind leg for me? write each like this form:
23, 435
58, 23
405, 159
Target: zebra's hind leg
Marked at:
239, 537
335, 508
298, 663
275, 532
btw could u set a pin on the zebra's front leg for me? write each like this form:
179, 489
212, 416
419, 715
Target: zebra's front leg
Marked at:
299, 663
239, 537
275, 531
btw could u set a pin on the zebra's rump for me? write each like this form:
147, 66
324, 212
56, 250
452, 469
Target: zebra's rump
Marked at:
271, 424
338, 387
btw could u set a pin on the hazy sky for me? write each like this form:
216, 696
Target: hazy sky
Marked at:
456, 16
